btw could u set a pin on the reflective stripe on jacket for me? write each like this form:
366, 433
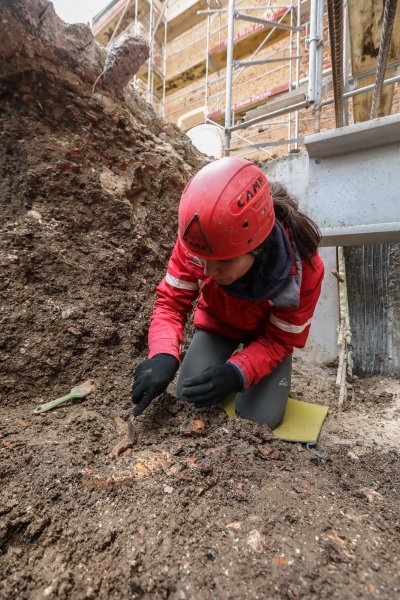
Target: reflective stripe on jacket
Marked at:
269, 330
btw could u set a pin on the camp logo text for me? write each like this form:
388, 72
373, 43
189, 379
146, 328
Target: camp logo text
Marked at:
250, 192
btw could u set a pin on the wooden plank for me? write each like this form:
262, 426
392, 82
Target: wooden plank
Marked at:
190, 47
283, 101
218, 115
253, 82
365, 23
241, 107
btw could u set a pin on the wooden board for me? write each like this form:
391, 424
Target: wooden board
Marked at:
365, 23
283, 101
251, 102
250, 88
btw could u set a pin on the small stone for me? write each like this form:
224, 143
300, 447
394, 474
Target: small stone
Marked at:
255, 540
234, 525
74, 331
25, 89
168, 489
198, 425
353, 456
34, 215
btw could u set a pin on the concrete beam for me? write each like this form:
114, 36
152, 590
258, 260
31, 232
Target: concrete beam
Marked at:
354, 138
354, 182
349, 183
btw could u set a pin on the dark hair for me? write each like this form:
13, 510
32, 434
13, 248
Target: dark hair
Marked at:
306, 233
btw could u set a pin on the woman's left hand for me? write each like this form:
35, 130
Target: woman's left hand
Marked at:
212, 386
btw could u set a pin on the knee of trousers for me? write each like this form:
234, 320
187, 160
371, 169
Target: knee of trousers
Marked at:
273, 422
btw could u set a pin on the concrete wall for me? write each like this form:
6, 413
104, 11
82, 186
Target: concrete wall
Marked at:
292, 171
373, 270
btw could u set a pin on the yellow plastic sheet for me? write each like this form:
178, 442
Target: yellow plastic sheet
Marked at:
302, 421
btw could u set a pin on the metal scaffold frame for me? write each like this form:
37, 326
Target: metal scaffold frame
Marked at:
284, 113
291, 62
315, 72
241, 65
339, 35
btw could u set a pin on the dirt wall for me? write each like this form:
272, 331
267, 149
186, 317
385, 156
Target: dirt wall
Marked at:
89, 189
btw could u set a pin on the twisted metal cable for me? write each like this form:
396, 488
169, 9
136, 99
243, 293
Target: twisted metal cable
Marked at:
338, 14
384, 47
331, 27
335, 23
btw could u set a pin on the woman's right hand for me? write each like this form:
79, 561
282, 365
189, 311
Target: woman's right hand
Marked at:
151, 378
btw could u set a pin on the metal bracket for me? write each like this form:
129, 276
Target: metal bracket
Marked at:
354, 181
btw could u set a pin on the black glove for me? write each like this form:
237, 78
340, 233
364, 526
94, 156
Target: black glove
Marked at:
151, 378
212, 385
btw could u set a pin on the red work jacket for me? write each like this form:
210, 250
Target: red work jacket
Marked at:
270, 329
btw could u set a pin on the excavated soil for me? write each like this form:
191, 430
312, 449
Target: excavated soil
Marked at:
201, 506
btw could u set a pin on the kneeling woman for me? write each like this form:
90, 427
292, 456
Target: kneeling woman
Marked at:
249, 258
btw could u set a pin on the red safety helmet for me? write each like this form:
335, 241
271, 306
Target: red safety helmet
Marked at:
226, 210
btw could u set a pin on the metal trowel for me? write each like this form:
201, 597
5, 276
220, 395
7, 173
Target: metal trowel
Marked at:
136, 411
79, 391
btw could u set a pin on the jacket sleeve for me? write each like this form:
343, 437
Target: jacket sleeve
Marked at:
175, 296
284, 330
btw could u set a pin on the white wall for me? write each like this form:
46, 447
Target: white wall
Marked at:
292, 171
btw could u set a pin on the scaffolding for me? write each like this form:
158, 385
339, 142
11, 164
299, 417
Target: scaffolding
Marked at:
295, 97
340, 72
221, 99
207, 108
284, 18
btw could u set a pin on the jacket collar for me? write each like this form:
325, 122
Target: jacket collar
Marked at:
276, 273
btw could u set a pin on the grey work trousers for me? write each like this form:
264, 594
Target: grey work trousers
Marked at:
264, 402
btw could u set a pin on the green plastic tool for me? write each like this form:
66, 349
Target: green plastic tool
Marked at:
79, 391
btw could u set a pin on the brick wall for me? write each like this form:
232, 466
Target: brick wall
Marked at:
249, 83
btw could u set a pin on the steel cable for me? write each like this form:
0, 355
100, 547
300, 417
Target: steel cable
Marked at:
335, 23
384, 47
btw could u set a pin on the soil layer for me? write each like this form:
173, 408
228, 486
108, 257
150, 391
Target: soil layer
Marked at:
200, 507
